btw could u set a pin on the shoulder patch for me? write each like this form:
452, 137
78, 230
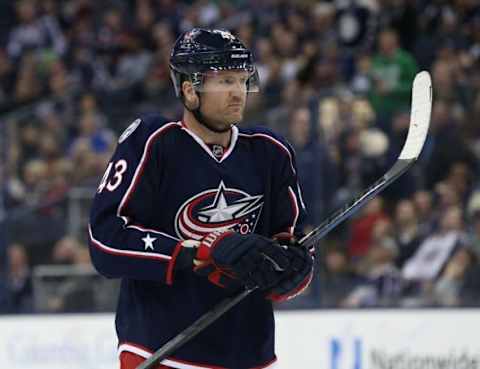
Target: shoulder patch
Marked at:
130, 129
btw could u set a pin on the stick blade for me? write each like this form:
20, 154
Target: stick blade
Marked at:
419, 116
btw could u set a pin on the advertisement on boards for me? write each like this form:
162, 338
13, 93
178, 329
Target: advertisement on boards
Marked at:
324, 339
58, 342
375, 339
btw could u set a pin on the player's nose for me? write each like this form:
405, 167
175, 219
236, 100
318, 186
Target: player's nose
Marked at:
237, 96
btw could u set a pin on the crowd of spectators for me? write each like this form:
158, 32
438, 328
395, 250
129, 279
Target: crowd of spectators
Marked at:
335, 80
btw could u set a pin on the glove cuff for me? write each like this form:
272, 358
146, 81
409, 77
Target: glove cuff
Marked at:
204, 263
208, 244
182, 258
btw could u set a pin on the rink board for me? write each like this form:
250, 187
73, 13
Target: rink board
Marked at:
373, 339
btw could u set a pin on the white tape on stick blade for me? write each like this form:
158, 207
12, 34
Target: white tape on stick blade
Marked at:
419, 116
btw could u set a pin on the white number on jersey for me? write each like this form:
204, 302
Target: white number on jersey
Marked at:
120, 168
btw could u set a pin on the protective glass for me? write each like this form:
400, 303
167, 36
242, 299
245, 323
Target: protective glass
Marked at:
227, 81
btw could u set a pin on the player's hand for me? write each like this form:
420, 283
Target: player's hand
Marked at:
229, 259
299, 274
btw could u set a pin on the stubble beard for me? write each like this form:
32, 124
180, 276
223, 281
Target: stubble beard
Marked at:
221, 126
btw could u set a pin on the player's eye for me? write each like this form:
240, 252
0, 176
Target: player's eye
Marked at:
228, 81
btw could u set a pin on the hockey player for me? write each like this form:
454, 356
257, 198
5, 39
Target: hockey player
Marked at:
191, 212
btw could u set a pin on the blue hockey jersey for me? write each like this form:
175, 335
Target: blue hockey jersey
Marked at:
163, 185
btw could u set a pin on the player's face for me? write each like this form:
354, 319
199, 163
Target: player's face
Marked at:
224, 98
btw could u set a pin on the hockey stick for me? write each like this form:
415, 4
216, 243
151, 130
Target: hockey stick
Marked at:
417, 133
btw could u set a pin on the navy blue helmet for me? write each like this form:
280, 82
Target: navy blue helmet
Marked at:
201, 51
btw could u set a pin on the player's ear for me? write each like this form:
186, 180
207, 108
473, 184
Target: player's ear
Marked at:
190, 95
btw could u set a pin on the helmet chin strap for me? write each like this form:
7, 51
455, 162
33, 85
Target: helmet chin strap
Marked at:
202, 119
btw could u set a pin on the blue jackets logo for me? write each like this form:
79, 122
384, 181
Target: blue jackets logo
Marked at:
218, 209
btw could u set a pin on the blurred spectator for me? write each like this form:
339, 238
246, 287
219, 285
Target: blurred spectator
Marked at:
446, 290
362, 228
434, 253
330, 127
445, 76
89, 107
315, 167
27, 144
7, 79
35, 181
278, 118
132, 65
90, 150
273, 85
289, 54
4, 297
144, 21
323, 19
65, 251
447, 197
475, 231
19, 283
100, 140
264, 55
34, 32
445, 135
75, 293
381, 280
163, 36
361, 147
423, 201
88, 165
28, 85
393, 70
156, 87
408, 231
337, 279
111, 35
361, 81
328, 71
402, 16
469, 293
459, 178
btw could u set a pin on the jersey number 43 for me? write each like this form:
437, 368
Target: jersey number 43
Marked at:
111, 185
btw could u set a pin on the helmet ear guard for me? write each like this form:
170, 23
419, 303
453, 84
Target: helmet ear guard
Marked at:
177, 80
186, 95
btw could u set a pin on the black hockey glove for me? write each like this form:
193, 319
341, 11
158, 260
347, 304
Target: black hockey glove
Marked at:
299, 274
229, 259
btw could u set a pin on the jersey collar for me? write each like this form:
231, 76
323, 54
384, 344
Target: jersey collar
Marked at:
204, 146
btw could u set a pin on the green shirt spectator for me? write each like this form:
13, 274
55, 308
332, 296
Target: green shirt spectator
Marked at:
392, 72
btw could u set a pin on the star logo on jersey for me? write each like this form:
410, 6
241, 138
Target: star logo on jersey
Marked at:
148, 241
218, 209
